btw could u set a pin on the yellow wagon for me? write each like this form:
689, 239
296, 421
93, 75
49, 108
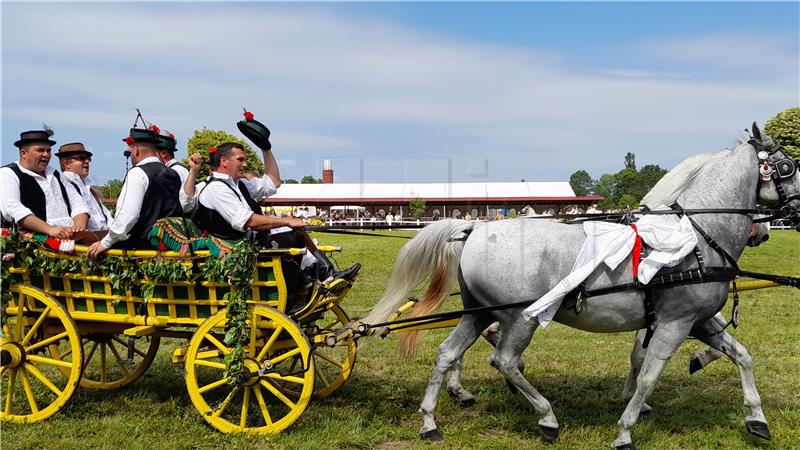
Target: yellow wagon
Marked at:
64, 330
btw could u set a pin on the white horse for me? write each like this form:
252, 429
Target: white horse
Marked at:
511, 261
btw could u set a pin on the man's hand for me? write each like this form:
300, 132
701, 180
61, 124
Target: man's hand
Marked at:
194, 163
95, 249
77, 228
60, 232
296, 224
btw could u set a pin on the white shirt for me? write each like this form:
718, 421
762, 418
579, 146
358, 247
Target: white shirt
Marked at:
99, 215
610, 243
129, 203
176, 165
258, 187
11, 206
225, 198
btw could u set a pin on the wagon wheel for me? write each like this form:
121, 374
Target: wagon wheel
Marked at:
332, 365
256, 405
35, 381
106, 365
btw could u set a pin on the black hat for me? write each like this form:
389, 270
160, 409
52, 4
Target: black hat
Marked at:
254, 130
38, 136
75, 148
140, 135
167, 142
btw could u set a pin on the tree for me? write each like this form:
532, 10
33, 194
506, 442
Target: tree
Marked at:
784, 129
582, 184
647, 178
112, 188
202, 140
418, 206
309, 179
289, 181
630, 161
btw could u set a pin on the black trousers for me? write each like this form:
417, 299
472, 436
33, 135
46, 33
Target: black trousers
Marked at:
291, 266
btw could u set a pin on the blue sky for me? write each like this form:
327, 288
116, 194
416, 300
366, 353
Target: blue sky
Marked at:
394, 92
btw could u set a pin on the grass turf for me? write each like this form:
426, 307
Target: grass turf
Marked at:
580, 373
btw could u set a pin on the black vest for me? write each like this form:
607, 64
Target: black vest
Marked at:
32, 196
213, 222
160, 200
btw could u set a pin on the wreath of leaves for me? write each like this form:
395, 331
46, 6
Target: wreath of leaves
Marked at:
125, 272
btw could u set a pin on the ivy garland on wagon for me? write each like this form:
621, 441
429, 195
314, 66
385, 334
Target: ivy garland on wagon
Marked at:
233, 266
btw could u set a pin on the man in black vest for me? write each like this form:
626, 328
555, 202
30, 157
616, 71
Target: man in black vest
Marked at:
149, 193
34, 196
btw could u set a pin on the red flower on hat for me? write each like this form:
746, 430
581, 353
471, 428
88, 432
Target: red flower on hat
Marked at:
212, 150
129, 140
171, 136
154, 128
248, 116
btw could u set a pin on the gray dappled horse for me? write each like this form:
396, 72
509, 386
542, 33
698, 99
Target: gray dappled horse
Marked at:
516, 260
737, 353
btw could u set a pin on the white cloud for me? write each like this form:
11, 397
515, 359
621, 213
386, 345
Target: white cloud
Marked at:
333, 85
287, 163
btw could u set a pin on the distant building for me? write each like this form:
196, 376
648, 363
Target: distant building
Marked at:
451, 199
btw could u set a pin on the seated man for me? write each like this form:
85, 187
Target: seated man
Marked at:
34, 196
150, 192
75, 159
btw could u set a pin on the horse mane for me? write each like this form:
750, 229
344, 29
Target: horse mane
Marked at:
676, 181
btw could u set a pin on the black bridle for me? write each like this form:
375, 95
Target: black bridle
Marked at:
775, 166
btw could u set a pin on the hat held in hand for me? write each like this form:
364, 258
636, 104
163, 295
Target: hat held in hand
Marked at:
254, 130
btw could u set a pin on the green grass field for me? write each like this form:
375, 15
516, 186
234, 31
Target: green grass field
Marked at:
581, 374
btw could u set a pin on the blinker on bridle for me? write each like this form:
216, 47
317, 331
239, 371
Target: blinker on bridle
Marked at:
777, 172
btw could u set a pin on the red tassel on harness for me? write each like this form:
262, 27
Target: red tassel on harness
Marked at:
636, 253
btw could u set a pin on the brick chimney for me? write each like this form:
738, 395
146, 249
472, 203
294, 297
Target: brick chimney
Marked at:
327, 172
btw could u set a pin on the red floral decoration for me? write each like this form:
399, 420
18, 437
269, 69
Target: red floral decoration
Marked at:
154, 128
129, 140
171, 136
248, 116
212, 150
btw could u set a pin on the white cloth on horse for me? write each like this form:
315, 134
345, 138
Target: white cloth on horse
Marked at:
670, 238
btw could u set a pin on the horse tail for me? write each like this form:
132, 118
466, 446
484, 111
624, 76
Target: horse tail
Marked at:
432, 255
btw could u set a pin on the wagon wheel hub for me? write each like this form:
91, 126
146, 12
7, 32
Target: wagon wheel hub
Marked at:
12, 355
252, 366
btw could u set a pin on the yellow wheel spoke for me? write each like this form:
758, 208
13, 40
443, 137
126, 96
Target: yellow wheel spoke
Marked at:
51, 361
35, 326
331, 323
263, 353
217, 343
245, 402
321, 376
251, 350
47, 341
10, 391
278, 394
208, 354
215, 365
284, 356
118, 358
65, 354
262, 405
291, 379
20, 310
213, 385
89, 356
35, 372
26, 384
224, 404
329, 359
103, 362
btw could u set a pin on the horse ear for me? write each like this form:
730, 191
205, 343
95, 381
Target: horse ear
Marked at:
756, 131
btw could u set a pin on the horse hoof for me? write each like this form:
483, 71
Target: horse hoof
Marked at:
694, 365
432, 435
550, 434
629, 446
466, 403
758, 428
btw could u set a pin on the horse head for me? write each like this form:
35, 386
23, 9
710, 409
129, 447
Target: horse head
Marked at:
779, 182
